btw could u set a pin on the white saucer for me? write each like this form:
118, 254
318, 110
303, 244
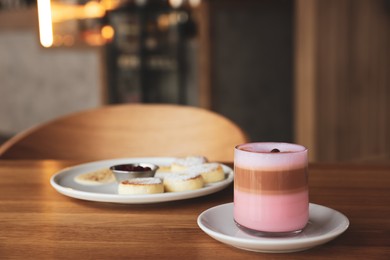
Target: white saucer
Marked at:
324, 225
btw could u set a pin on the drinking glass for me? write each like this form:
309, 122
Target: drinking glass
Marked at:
271, 194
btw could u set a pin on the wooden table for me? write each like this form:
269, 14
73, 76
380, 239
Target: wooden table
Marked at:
38, 222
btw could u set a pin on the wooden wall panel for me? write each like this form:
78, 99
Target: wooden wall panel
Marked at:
348, 77
305, 75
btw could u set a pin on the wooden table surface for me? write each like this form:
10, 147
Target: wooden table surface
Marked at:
38, 222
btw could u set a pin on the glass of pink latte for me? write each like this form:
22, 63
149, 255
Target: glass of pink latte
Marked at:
271, 194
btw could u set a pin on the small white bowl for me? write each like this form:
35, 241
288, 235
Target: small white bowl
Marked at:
128, 171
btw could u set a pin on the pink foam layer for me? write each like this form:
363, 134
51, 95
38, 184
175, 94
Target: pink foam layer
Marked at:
272, 213
259, 156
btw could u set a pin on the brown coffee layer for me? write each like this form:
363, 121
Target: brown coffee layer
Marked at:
257, 181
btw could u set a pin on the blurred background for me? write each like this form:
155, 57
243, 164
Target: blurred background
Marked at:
315, 72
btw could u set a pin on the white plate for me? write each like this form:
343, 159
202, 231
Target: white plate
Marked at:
64, 183
324, 225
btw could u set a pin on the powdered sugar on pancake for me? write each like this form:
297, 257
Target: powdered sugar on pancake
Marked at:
183, 176
202, 168
183, 182
142, 181
189, 161
148, 185
211, 172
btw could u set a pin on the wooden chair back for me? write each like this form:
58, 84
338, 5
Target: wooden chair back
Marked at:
130, 130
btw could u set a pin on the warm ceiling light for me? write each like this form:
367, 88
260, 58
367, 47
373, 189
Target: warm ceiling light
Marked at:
110, 4
45, 23
175, 3
107, 32
94, 9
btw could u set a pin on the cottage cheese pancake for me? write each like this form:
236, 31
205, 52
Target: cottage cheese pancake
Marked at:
149, 185
211, 172
99, 177
183, 182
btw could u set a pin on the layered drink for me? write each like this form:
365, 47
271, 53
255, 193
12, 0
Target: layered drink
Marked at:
271, 188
